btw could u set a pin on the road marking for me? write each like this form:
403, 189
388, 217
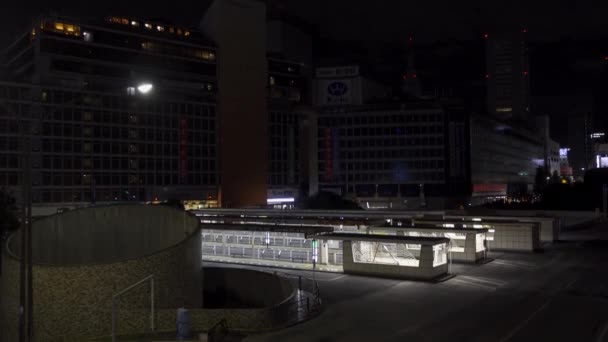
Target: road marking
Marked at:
526, 321
332, 279
513, 264
470, 283
492, 282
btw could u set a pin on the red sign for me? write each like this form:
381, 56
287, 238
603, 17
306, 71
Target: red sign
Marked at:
183, 148
565, 171
490, 188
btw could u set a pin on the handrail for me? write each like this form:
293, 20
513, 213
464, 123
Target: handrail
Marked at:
127, 289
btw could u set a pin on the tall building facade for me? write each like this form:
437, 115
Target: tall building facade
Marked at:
408, 152
242, 79
119, 109
286, 84
507, 75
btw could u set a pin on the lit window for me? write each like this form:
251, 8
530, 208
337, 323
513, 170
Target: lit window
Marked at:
148, 26
272, 81
135, 23
124, 21
160, 28
186, 33
59, 26
504, 110
171, 29
179, 31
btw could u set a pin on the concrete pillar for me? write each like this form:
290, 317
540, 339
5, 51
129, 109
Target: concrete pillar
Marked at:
470, 247
347, 256
426, 257
323, 252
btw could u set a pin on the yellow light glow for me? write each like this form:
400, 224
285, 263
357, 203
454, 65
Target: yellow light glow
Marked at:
564, 181
186, 33
69, 28
59, 26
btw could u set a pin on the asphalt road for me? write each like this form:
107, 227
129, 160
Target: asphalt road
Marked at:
558, 295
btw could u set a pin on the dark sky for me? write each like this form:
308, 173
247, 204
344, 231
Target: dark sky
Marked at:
390, 20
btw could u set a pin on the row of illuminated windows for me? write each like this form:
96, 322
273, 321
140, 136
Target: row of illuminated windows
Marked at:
67, 108
71, 99
194, 120
394, 153
124, 133
108, 179
137, 58
389, 165
119, 164
385, 177
401, 142
86, 195
388, 131
116, 148
379, 118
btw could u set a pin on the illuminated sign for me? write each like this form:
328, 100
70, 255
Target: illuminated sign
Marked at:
280, 200
563, 152
597, 135
490, 188
337, 88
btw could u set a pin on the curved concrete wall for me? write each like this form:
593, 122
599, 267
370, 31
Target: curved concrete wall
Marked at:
242, 288
106, 234
72, 301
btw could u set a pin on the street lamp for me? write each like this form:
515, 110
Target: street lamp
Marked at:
145, 88
142, 88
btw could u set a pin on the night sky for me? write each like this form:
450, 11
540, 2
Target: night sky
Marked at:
388, 20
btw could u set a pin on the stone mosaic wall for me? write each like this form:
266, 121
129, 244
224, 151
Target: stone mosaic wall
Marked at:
73, 303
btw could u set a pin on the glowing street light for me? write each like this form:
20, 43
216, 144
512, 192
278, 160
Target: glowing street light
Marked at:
145, 88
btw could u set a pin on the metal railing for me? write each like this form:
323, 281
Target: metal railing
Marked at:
218, 332
149, 278
306, 304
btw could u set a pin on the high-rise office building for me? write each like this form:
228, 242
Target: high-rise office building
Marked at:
118, 109
507, 75
407, 152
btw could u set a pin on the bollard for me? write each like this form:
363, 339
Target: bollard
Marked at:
183, 324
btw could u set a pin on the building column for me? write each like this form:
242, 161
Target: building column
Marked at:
323, 252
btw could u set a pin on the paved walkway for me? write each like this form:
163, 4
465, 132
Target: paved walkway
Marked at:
558, 295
